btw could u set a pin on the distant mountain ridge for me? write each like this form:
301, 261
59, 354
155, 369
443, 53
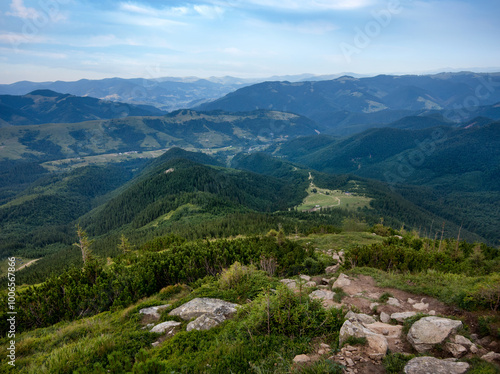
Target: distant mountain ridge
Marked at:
46, 106
346, 101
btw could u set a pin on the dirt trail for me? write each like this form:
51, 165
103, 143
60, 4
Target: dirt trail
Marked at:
27, 264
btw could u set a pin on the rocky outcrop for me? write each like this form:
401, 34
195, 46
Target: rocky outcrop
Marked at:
377, 343
205, 322
342, 281
492, 357
168, 328
322, 295
429, 331
154, 311
204, 305
428, 365
290, 283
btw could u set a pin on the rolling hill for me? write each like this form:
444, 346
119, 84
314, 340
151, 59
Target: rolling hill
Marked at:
46, 106
185, 128
341, 103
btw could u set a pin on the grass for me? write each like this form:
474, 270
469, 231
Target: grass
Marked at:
326, 198
340, 241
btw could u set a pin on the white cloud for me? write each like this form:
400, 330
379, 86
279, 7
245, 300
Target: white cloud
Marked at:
209, 11
19, 10
302, 5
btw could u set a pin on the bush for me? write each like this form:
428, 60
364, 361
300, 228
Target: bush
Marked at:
394, 363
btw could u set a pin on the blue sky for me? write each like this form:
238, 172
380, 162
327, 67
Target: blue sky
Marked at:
45, 40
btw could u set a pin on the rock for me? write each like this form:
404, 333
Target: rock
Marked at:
384, 317
205, 322
310, 284
432, 312
391, 331
167, 328
332, 269
374, 306
421, 306
462, 340
377, 343
473, 349
492, 357
290, 283
325, 346
325, 281
307, 278
431, 365
393, 301
342, 281
360, 317
322, 295
155, 344
349, 361
400, 317
429, 331
204, 305
411, 301
301, 359
154, 311
455, 349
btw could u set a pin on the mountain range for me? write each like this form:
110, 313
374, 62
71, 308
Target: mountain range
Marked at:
347, 105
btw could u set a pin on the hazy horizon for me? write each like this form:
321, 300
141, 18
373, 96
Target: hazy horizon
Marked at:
68, 40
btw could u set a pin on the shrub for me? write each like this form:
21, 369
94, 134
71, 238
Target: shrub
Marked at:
394, 363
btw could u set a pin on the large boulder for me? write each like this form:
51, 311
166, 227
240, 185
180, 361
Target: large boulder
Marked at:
204, 305
154, 311
342, 281
167, 328
205, 322
377, 343
365, 319
322, 295
429, 331
492, 357
431, 365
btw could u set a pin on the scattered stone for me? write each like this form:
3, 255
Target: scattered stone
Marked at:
325, 281
492, 357
393, 301
307, 278
349, 361
428, 365
432, 312
324, 346
374, 306
421, 306
204, 305
377, 343
322, 295
205, 322
167, 328
155, 344
401, 317
429, 331
301, 359
148, 326
462, 340
310, 284
360, 317
154, 311
473, 348
342, 281
411, 301
332, 269
455, 349
384, 317
290, 283
391, 331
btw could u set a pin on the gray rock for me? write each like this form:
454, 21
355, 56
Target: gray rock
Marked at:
342, 281
154, 311
310, 284
492, 357
421, 306
400, 317
322, 295
167, 328
393, 301
462, 340
290, 283
204, 305
374, 306
431, 365
365, 319
455, 349
301, 359
384, 317
332, 269
205, 322
429, 331
306, 278
377, 343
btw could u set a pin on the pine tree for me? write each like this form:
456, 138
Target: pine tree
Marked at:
83, 243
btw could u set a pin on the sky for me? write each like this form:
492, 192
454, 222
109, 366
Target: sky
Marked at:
48, 40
